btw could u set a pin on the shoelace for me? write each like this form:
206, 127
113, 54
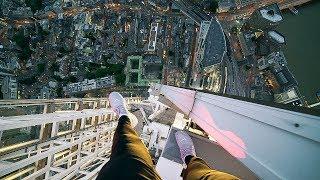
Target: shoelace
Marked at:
121, 109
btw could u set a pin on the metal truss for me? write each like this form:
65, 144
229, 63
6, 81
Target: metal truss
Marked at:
75, 152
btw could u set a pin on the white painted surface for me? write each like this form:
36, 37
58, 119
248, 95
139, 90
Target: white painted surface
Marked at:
169, 169
264, 138
179, 122
13, 122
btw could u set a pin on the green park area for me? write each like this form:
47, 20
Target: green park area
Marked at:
98, 71
34, 5
210, 5
23, 43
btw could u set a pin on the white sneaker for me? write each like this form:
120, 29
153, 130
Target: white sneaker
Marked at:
185, 144
118, 104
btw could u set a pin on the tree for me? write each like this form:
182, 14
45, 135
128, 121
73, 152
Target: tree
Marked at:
91, 36
41, 67
234, 30
171, 53
23, 43
213, 6
34, 5
42, 32
115, 70
19, 39
120, 79
69, 79
60, 92
54, 67
1, 94
72, 79
101, 73
247, 67
57, 78
28, 81
63, 50
90, 75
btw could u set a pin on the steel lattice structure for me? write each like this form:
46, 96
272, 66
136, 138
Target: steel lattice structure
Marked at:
76, 152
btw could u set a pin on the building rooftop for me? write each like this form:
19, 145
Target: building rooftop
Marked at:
92, 84
143, 72
277, 36
9, 87
246, 43
287, 97
271, 13
215, 45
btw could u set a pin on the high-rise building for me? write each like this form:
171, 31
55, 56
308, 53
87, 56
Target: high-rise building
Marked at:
204, 28
209, 53
266, 17
9, 88
212, 46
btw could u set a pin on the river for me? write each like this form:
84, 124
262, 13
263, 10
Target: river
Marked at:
302, 33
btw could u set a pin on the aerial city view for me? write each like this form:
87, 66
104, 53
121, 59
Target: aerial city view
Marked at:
60, 60
55, 49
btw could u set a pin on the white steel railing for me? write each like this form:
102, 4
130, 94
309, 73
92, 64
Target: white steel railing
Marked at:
73, 140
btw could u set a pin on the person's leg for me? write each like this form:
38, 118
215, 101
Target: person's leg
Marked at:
196, 167
129, 158
127, 141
